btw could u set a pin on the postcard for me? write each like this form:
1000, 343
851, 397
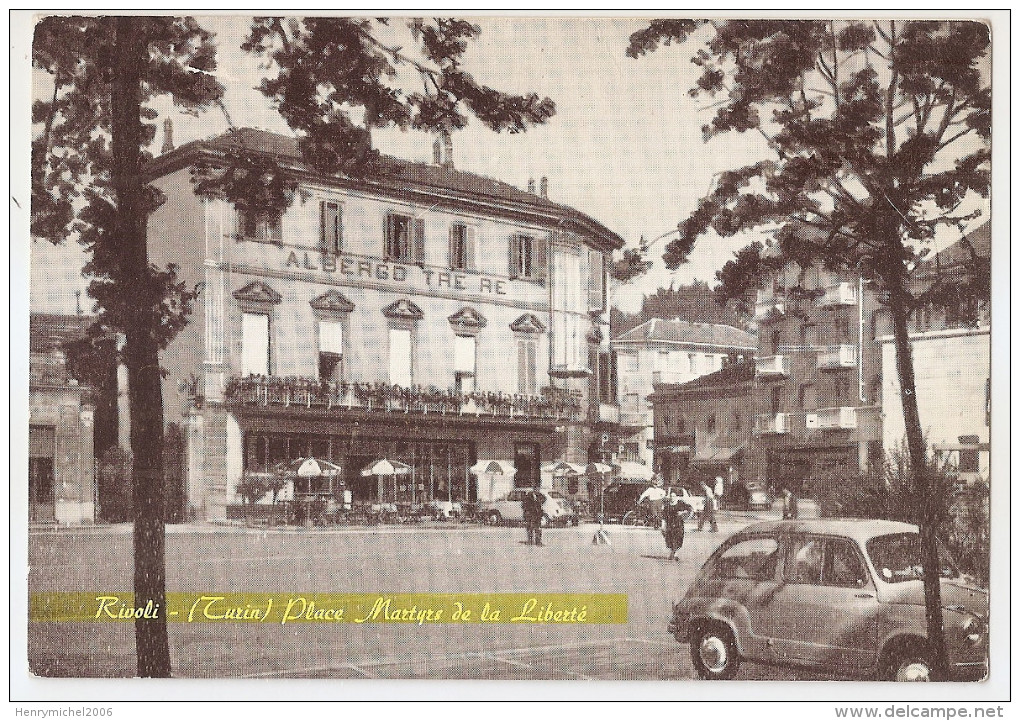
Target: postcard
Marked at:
645, 351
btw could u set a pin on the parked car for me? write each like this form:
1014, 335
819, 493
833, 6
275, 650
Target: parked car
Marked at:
618, 498
510, 509
843, 596
570, 515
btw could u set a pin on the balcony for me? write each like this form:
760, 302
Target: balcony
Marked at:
609, 413
772, 365
839, 294
769, 423
838, 356
555, 404
830, 419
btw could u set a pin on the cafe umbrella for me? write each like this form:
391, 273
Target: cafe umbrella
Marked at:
302, 470
384, 467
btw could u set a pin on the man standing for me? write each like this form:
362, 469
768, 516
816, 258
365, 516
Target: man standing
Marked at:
710, 506
532, 506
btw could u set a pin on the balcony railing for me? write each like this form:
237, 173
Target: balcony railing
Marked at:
838, 356
769, 423
772, 365
554, 404
839, 294
836, 418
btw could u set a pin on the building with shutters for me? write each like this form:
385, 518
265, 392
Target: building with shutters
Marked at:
421, 314
663, 351
61, 469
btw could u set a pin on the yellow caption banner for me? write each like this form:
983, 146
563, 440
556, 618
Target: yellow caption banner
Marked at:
289, 608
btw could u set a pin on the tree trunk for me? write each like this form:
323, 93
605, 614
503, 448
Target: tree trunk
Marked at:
921, 479
141, 351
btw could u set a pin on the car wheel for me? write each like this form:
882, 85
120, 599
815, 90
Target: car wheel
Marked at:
911, 664
714, 653
493, 518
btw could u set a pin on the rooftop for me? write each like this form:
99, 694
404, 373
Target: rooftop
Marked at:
659, 330
960, 251
49, 332
393, 175
733, 374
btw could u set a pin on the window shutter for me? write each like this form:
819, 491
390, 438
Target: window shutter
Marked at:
323, 226
419, 240
532, 367
469, 241
539, 256
514, 254
387, 235
522, 367
452, 249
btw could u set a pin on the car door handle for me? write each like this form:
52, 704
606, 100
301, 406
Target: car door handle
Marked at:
864, 595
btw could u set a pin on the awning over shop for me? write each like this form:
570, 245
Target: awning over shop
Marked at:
716, 456
674, 449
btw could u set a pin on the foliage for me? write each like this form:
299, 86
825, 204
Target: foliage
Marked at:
959, 513
334, 79
631, 265
694, 303
878, 136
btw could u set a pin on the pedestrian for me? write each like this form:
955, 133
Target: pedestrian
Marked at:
710, 507
674, 513
789, 504
532, 506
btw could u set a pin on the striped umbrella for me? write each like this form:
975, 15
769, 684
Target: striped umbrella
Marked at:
386, 467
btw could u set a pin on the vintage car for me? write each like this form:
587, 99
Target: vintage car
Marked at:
840, 596
556, 511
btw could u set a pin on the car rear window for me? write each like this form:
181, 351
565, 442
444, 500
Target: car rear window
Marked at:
752, 558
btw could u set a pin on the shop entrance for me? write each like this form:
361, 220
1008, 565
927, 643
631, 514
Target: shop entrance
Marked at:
41, 478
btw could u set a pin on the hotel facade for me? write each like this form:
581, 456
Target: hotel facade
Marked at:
423, 315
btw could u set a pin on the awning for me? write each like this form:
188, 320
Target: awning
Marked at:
503, 468
598, 468
711, 456
385, 467
562, 468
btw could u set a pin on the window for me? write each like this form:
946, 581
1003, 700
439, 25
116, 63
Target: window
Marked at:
527, 367
461, 247
843, 565
776, 337
464, 363
527, 257
331, 349
754, 558
252, 226
255, 358
804, 561
331, 231
400, 356
969, 458
808, 397
775, 399
737, 422
711, 423
596, 280
681, 425
692, 362
405, 239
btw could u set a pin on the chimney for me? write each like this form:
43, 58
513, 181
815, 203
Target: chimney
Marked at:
543, 187
168, 136
437, 152
531, 185
447, 150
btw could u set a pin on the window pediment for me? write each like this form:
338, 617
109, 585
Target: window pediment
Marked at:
467, 319
257, 292
332, 301
527, 323
403, 309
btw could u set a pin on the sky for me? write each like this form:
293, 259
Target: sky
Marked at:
625, 145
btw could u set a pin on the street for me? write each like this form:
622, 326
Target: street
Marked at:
388, 559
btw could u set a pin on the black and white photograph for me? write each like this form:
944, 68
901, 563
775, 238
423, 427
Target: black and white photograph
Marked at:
651, 355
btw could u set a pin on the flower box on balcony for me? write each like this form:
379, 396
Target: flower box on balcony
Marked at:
772, 365
839, 294
843, 418
838, 356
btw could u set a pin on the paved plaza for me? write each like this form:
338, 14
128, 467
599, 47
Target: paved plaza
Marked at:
385, 559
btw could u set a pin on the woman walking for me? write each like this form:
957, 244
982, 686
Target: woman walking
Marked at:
674, 513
